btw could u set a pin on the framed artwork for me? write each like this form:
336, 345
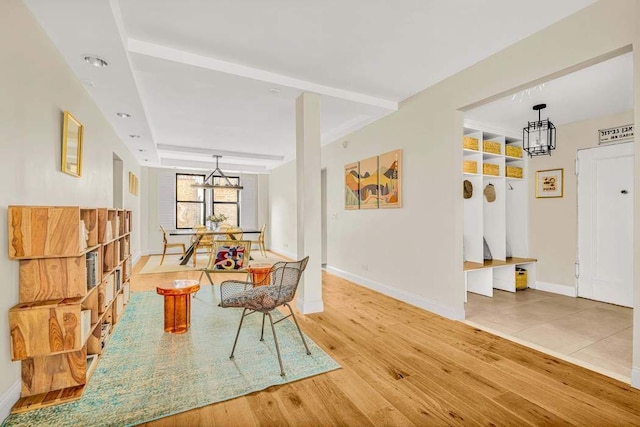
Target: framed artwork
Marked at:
352, 186
390, 179
550, 183
133, 184
369, 190
72, 131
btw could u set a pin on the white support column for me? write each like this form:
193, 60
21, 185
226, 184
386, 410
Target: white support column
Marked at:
309, 201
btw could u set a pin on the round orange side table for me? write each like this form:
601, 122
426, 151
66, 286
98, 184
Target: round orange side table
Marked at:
259, 271
177, 304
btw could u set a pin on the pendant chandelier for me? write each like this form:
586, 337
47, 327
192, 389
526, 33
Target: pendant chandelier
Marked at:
217, 173
539, 137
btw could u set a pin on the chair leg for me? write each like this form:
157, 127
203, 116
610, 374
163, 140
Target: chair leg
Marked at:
237, 334
262, 333
297, 326
263, 250
275, 339
209, 277
195, 253
164, 251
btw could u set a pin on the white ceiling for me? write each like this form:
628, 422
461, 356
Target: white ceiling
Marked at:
602, 89
221, 76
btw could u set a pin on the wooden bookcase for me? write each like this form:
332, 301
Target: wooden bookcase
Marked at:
75, 265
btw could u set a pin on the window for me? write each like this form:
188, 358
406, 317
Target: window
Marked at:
226, 200
190, 201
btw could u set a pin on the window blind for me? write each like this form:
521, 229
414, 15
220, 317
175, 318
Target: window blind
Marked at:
249, 202
167, 199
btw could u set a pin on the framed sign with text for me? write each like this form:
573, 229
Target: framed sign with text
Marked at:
617, 134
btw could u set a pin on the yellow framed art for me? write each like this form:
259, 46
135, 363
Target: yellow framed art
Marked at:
72, 131
133, 184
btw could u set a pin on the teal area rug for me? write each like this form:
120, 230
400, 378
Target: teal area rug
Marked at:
146, 373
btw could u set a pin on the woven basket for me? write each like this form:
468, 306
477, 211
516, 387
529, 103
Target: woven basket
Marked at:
489, 169
514, 172
491, 147
470, 143
513, 151
521, 278
470, 166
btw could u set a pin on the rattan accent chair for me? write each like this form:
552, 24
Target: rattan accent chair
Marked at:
277, 289
167, 245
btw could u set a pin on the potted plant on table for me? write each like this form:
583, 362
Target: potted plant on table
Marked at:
216, 220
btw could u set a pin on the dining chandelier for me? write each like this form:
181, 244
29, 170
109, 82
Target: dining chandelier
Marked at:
539, 137
217, 173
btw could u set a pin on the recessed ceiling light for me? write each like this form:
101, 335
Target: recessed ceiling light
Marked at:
140, 150
123, 115
274, 90
134, 136
96, 61
146, 160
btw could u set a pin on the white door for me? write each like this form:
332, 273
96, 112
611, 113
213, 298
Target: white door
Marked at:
605, 224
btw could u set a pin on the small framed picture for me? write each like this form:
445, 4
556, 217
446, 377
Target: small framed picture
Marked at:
72, 131
550, 183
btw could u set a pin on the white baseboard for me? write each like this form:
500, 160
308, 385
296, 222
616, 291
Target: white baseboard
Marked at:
635, 377
8, 399
284, 253
310, 306
409, 298
554, 288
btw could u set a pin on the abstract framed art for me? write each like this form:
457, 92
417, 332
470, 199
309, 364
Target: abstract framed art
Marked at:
352, 186
390, 179
369, 191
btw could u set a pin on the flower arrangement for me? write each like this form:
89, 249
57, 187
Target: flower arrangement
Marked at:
217, 219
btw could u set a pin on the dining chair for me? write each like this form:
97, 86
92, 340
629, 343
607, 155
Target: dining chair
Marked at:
260, 240
201, 240
166, 245
235, 233
277, 289
223, 228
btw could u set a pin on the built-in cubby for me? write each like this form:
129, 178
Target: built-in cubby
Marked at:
73, 290
495, 210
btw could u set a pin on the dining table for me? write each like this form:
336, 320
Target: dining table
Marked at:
205, 232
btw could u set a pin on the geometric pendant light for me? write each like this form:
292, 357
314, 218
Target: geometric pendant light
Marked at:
539, 137
217, 173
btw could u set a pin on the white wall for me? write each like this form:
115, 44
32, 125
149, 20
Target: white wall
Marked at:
36, 87
553, 222
283, 211
415, 253
263, 206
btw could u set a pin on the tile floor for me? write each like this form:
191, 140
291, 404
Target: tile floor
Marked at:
589, 333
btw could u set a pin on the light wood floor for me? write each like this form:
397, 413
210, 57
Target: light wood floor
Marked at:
403, 366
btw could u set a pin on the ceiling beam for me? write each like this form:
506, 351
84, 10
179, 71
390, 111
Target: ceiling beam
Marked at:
227, 167
180, 56
209, 152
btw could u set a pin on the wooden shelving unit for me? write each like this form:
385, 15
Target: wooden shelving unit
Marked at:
75, 265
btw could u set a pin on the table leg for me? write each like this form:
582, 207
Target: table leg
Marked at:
177, 313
